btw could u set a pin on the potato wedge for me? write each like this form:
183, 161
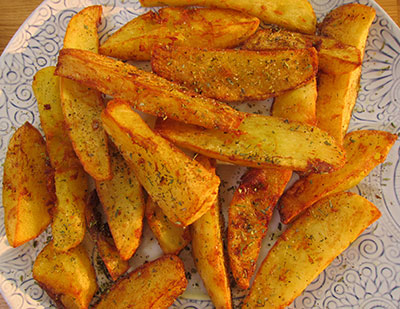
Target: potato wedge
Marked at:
67, 277
146, 92
297, 15
337, 95
82, 106
200, 27
208, 250
101, 236
179, 185
154, 285
26, 180
71, 184
250, 211
308, 247
264, 142
235, 75
68, 226
298, 105
46, 87
123, 204
365, 149
349, 24
255, 199
334, 57
171, 238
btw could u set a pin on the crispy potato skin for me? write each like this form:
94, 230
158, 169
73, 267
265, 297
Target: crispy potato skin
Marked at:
67, 277
307, 247
334, 56
294, 15
115, 265
179, 185
146, 92
235, 75
250, 211
264, 142
82, 106
365, 149
71, 183
171, 238
26, 180
208, 250
154, 285
200, 27
337, 94
123, 204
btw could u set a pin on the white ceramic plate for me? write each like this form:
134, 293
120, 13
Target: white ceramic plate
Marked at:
366, 275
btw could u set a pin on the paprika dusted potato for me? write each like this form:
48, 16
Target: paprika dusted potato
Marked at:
145, 91
297, 15
67, 277
236, 75
155, 285
201, 27
307, 247
365, 149
183, 188
26, 180
263, 142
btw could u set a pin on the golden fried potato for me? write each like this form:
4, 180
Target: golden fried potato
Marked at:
235, 75
297, 15
68, 226
334, 57
154, 285
171, 238
146, 92
298, 105
26, 180
308, 246
250, 211
98, 231
46, 87
82, 106
337, 95
349, 24
71, 183
365, 149
123, 204
179, 185
208, 250
201, 27
264, 142
67, 277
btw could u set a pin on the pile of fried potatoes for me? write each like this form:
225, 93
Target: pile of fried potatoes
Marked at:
202, 59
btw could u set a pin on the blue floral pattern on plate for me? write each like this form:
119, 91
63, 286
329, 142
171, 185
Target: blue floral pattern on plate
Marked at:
366, 275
